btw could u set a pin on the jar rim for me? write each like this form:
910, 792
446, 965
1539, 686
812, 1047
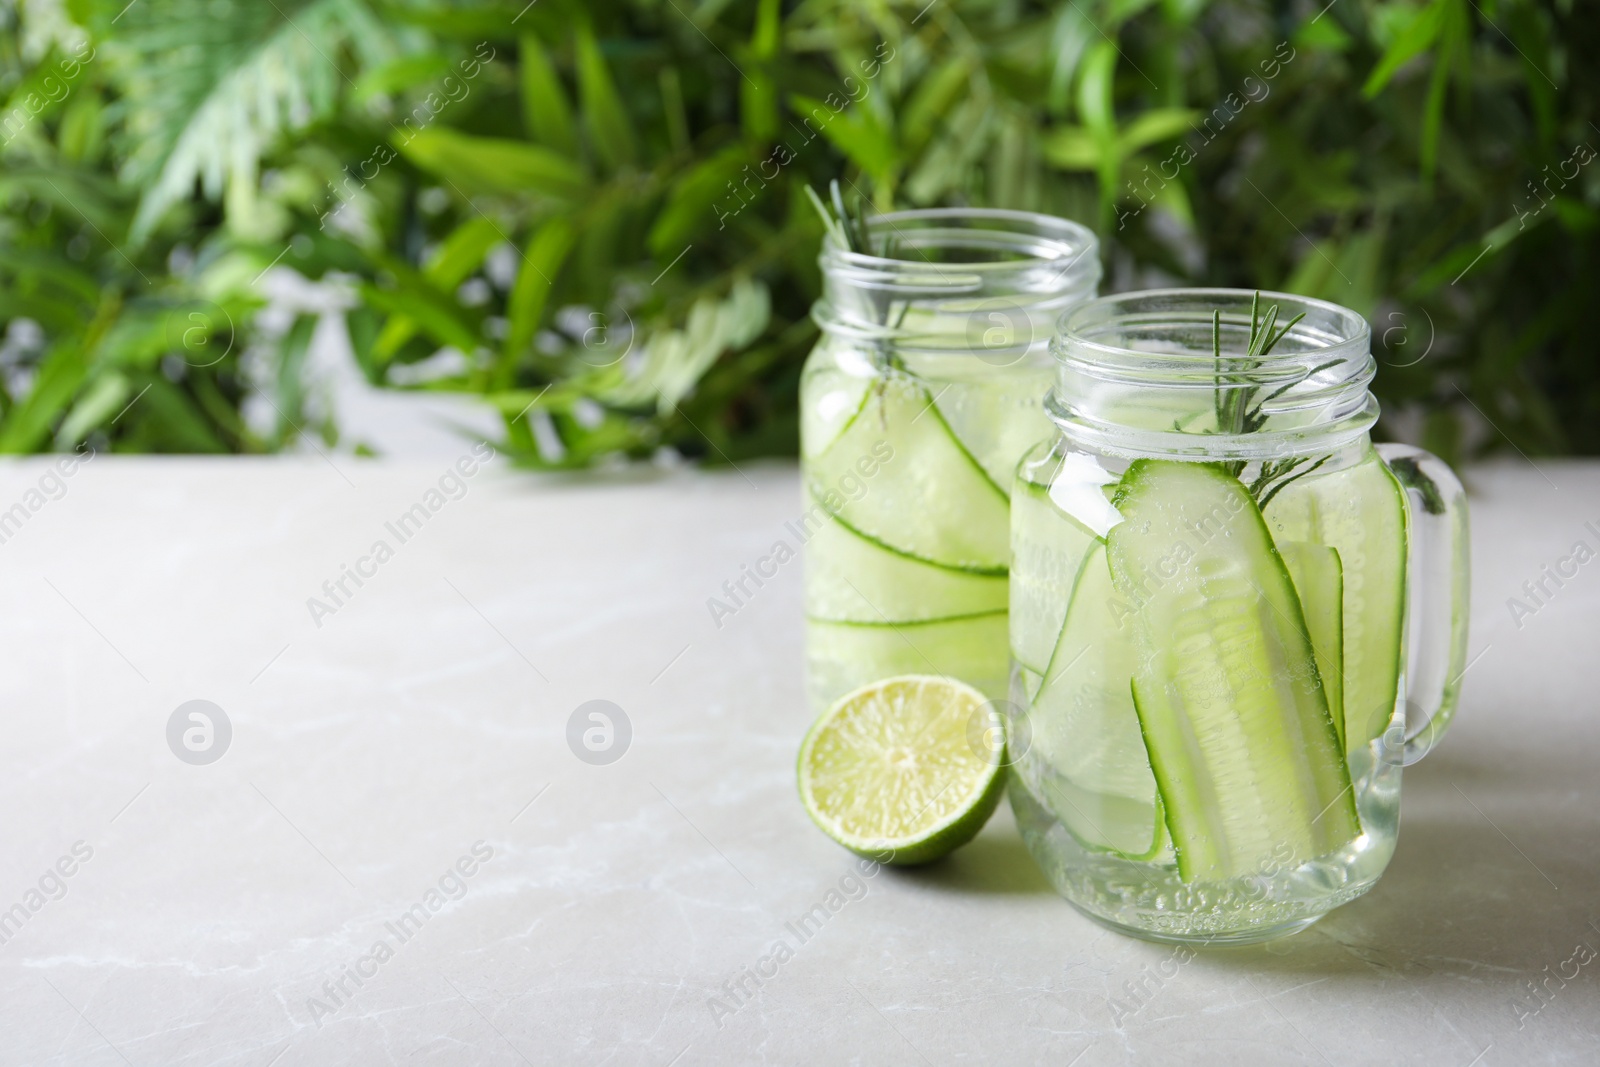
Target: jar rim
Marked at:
1034, 239
1336, 334
1137, 373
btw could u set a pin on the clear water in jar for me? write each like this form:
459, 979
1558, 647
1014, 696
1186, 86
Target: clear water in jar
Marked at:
1172, 738
907, 461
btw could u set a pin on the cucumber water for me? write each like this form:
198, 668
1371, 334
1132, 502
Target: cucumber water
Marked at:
907, 517
1200, 758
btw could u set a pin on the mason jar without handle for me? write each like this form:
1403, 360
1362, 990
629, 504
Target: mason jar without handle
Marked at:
1234, 620
922, 394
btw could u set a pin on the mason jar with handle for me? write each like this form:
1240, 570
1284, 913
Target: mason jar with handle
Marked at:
922, 394
1242, 618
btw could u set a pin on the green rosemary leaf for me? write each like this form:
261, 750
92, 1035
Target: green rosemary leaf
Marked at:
1273, 343
1240, 406
1285, 387
1263, 501
828, 219
1268, 321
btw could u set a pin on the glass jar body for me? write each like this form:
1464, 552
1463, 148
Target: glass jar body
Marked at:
1206, 703
906, 463
916, 404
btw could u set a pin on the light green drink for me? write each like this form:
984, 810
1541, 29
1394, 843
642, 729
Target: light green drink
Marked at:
1219, 588
923, 393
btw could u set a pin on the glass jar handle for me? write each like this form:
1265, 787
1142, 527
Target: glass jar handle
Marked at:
1437, 569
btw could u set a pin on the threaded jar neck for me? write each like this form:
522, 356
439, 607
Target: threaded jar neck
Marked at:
1137, 374
952, 279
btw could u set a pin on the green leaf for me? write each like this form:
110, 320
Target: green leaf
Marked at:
695, 200
1095, 93
491, 164
1175, 199
430, 311
419, 299
540, 266
1070, 37
1156, 125
293, 348
1072, 148
1182, 12
1096, 88
934, 95
83, 125
1323, 34
758, 92
944, 164
405, 72
212, 85
1120, 11
855, 131
545, 109
62, 371
462, 251
610, 131
457, 257
29, 269
1454, 44
175, 422
34, 98
674, 361
76, 193
672, 105
1417, 37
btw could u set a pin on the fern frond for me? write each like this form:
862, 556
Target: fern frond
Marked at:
212, 85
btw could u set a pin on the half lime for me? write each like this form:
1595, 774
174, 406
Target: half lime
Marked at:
905, 769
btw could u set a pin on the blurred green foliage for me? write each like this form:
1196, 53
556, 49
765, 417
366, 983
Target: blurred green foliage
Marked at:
591, 213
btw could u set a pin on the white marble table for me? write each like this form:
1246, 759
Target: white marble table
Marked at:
212, 910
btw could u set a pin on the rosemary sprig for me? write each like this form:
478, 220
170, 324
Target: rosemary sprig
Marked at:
850, 230
1240, 409
1235, 415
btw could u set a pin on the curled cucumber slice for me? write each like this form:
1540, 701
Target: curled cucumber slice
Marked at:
1360, 512
852, 579
1319, 581
1230, 701
1086, 756
927, 498
1047, 548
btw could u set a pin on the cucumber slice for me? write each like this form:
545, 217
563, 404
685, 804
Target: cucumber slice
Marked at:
1104, 822
928, 498
1030, 679
1233, 712
846, 655
852, 579
997, 417
1047, 549
1085, 730
834, 396
1319, 580
1361, 512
